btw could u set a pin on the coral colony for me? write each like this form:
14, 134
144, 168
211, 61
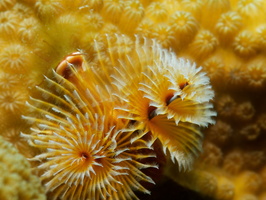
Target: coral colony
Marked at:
107, 97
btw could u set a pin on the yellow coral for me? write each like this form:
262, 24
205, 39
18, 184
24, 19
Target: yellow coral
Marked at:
183, 24
226, 106
156, 11
249, 182
262, 35
12, 135
221, 133
133, 12
112, 10
234, 162
245, 111
7, 4
204, 44
225, 189
228, 25
17, 180
245, 44
193, 6
13, 101
14, 58
8, 81
212, 154
250, 8
8, 22
250, 131
47, 8
256, 73
23, 10
163, 34
213, 9
29, 27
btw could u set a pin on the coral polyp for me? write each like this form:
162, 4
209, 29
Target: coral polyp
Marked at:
14, 58
228, 24
12, 101
183, 24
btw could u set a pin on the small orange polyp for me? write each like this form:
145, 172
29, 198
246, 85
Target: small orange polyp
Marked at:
75, 60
